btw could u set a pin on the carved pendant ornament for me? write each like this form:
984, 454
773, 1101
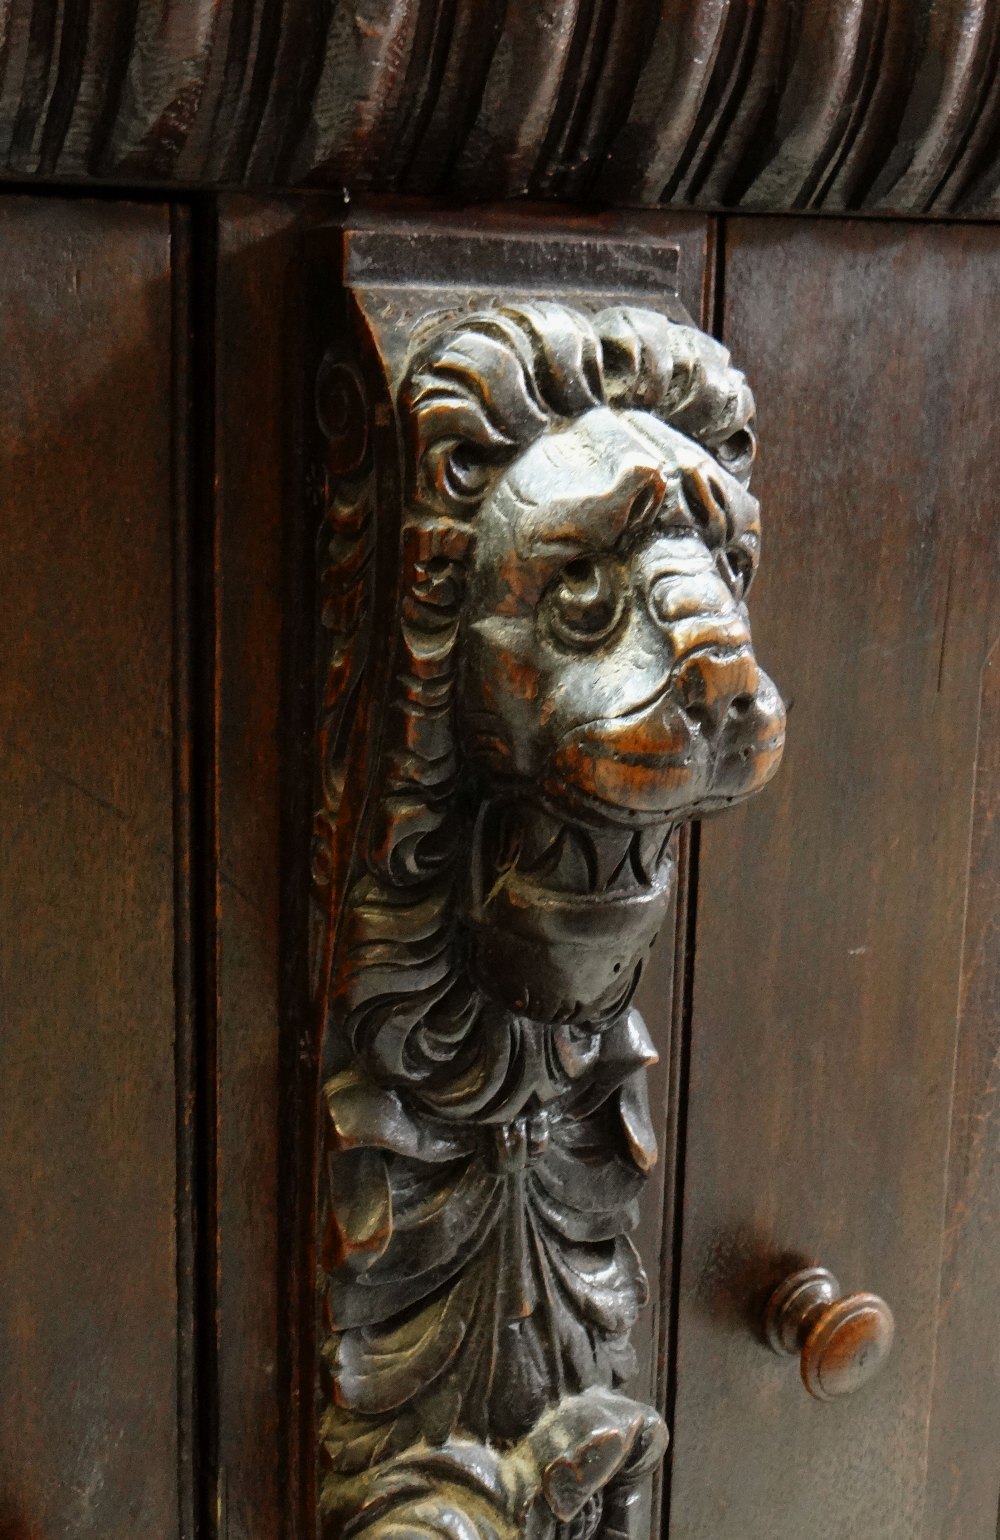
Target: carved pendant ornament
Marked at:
563, 676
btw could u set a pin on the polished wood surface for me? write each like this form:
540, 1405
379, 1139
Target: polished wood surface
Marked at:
965, 1412
96, 1049
246, 340
822, 1057
887, 105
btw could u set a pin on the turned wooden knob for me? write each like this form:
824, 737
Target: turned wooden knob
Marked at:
841, 1343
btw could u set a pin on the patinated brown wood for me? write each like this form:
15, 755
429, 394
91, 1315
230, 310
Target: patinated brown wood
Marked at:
512, 724
965, 1411
250, 292
96, 1045
823, 1051
888, 105
660, 995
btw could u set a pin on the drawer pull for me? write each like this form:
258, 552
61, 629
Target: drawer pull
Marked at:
842, 1343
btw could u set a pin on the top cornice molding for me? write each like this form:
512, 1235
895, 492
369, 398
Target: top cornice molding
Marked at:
888, 106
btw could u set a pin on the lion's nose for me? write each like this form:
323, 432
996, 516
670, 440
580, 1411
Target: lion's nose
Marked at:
716, 687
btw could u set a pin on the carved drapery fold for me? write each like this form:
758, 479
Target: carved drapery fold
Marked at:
535, 544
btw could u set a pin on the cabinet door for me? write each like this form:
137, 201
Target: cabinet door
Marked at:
846, 954
95, 1036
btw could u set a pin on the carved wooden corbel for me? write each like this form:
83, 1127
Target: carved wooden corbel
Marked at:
535, 545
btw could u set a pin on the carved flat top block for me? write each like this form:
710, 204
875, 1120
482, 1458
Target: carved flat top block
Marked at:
536, 543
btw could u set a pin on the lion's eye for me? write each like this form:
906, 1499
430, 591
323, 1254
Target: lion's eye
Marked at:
466, 472
736, 454
736, 568
585, 603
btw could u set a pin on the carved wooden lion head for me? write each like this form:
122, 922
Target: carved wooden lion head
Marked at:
585, 487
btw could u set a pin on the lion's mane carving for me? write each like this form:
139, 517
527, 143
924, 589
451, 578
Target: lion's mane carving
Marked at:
628, 389
573, 677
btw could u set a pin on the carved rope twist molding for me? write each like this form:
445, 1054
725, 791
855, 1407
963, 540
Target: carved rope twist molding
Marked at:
567, 675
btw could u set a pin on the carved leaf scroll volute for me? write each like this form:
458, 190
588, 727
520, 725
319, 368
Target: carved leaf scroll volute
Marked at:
536, 543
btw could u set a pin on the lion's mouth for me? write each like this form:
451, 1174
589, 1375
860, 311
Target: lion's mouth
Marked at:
529, 845
561, 915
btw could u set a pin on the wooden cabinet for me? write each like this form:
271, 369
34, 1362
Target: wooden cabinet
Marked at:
243, 536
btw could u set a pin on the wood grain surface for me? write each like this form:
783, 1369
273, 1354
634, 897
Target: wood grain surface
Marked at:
832, 915
250, 295
887, 105
258, 779
962, 1501
95, 1047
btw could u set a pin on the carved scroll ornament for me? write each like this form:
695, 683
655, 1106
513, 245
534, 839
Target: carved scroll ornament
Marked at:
566, 675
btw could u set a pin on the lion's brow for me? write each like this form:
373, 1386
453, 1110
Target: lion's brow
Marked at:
612, 507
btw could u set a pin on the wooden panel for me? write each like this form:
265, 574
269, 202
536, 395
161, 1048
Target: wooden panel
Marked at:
255, 288
89, 1173
830, 925
965, 1424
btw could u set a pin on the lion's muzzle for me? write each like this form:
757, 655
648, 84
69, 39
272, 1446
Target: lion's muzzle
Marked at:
705, 742
712, 734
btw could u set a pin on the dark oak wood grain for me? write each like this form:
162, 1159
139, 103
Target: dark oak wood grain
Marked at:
251, 289
888, 105
831, 916
964, 1494
96, 1435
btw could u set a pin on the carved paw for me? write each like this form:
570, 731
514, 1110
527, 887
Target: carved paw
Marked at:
578, 1474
